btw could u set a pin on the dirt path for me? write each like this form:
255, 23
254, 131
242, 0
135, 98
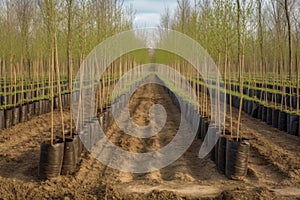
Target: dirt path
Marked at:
185, 177
273, 167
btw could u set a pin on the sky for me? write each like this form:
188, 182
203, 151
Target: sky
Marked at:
148, 11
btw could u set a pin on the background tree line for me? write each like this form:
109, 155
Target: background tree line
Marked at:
37, 34
263, 34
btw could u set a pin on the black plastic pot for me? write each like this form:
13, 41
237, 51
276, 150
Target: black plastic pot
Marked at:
269, 115
235, 102
34, 93
292, 124
63, 100
44, 110
46, 105
227, 98
282, 121
259, 112
275, 116
245, 105
23, 113
278, 98
204, 128
30, 110
255, 108
294, 102
250, 107
269, 96
251, 92
222, 153
264, 113
15, 115
18, 97
56, 103
215, 152
258, 94
77, 147
67, 99
41, 107
36, 108
199, 128
7, 99
214, 134
51, 158
69, 158
46, 91
237, 155
8, 118
2, 124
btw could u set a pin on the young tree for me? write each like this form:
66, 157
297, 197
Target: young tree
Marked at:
24, 14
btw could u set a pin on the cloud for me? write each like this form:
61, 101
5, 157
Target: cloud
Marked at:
150, 6
147, 19
148, 11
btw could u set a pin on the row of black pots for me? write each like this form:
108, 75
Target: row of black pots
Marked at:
90, 127
85, 116
287, 99
262, 94
281, 120
65, 99
9, 99
286, 89
19, 114
61, 158
29, 85
230, 155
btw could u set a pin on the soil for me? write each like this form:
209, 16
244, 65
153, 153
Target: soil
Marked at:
274, 165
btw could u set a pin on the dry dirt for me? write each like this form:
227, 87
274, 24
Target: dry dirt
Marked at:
274, 166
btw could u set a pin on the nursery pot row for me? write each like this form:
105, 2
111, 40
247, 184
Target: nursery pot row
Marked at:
271, 97
281, 120
19, 114
230, 155
10, 98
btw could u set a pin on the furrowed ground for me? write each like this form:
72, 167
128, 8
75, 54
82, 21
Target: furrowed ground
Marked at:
274, 165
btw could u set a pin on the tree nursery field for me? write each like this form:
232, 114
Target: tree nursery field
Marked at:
204, 106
